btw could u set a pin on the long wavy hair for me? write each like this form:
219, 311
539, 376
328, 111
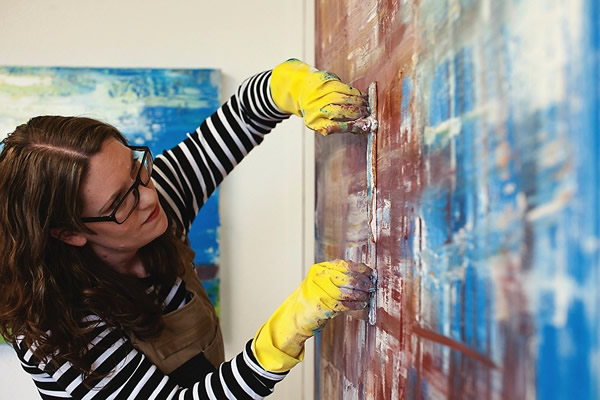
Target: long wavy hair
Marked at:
47, 287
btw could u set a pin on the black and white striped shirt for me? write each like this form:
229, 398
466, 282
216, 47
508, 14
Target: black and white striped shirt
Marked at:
185, 177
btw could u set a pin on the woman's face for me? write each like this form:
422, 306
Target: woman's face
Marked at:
111, 173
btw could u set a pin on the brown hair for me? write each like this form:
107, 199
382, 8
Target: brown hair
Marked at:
47, 287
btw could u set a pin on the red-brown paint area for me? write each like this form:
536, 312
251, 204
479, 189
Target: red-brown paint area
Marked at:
357, 360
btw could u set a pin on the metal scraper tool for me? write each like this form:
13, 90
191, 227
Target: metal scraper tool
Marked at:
370, 126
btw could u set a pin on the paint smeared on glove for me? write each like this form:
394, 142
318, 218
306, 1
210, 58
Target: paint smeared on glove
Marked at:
326, 104
329, 289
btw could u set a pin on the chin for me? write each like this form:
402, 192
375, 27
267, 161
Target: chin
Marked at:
159, 229
155, 229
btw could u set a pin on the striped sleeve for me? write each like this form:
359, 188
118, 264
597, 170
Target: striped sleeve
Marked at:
188, 174
131, 375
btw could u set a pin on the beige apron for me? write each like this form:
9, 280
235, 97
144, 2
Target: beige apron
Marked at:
189, 330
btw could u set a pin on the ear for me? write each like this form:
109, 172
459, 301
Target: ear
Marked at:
68, 237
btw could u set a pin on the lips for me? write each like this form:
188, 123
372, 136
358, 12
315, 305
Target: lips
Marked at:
153, 215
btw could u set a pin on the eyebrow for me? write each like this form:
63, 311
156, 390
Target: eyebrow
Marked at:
106, 207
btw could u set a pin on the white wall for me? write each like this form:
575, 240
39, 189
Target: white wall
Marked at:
266, 205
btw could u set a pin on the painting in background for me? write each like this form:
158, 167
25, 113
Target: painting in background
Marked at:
154, 107
485, 190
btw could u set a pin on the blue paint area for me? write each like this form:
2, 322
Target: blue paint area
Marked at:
467, 172
434, 212
456, 301
484, 314
484, 253
470, 303
204, 232
458, 198
567, 363
407, 88
563, 356
577, 385
550, 377
411, 387
439, 106
592, 8
169, 123
464, 91
212, 290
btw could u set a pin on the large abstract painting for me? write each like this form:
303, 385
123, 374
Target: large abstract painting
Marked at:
477, 202
155, 107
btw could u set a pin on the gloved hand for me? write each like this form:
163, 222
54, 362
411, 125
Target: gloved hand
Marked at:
325, 103
329, 289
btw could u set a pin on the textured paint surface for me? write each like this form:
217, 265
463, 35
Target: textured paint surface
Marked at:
486, 190
154, 107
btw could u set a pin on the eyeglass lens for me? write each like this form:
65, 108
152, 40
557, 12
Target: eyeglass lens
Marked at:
124, 210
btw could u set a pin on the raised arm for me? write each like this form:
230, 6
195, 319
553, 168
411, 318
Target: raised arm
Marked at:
187, 174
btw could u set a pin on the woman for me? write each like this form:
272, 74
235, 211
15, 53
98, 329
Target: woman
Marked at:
98, 293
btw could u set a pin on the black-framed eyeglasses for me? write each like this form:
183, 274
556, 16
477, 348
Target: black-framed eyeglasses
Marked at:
125, 205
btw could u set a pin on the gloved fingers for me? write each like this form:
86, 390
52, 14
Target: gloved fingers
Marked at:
321, 98
360, 126
326, 126
343, 273
355, 281
325, 106
342, 281
326, 84
351, 300
351, 279
321, 289
346, 287
345, 299
334, 106
354, 294
360, 268
329, 283
344, 266
343, 112
332, 288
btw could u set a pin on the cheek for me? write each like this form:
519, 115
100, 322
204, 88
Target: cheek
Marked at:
121, 237
163, 222
120, 232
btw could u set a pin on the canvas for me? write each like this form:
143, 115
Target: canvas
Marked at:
478, 204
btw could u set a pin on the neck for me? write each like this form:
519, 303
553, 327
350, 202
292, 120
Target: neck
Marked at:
126, 262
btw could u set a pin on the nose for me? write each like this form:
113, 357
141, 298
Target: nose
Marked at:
146, 194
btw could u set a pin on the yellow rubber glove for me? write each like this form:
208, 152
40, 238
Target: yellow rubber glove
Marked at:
329, 289
325, 103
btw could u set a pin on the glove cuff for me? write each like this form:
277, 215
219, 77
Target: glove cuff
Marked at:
269, 356
287, 84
